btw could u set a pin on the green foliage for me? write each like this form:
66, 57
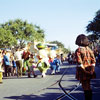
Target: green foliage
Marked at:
61, 45
65, 51
94, 26
6, 38
22, 31
93, 37
39, 33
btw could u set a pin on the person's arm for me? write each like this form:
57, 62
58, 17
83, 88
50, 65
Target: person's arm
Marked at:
93, 61
78, 58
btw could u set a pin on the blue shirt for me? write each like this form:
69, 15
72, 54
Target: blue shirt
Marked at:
6, 60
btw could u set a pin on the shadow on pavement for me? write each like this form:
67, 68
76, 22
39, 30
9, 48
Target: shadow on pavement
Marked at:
78, 93
47, 96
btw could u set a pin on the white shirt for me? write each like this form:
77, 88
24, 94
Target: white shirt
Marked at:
18, 55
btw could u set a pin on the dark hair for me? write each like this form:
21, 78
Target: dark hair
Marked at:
82, 40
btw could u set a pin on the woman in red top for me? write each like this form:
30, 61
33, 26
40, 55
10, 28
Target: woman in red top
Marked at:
85, 65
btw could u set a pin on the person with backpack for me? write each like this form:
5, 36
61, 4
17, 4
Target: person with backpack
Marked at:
85, 64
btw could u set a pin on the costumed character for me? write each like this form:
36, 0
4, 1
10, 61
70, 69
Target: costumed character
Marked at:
53, 61
58, 62
43, 63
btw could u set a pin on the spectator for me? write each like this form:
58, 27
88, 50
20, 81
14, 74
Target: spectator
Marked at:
19, 62
85, 65
8, 68
13, 65
25, 56
62, 58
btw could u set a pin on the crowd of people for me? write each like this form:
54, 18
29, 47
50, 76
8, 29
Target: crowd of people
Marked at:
22, 62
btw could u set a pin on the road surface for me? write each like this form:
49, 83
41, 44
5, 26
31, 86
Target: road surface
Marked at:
47, 88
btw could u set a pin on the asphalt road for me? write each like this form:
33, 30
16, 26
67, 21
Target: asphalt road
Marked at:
47, 88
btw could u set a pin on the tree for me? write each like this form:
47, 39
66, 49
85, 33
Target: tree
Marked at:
65, 51
22, 31
6, 39
93, 39
60, 45
94, 26
39, 34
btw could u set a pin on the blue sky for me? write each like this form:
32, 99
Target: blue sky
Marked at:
62, 20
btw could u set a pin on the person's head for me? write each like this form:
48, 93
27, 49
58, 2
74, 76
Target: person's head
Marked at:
82, 40
50, 57
39, 57
17, 49
57, 56
31, 56
0, 51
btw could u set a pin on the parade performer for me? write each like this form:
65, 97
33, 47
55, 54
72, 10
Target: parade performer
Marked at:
58, 62
54, 64
85, 65
42, 65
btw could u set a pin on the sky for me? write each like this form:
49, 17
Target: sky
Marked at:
62, 20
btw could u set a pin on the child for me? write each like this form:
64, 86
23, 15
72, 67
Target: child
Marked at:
13, 65
85, 65
31, 67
